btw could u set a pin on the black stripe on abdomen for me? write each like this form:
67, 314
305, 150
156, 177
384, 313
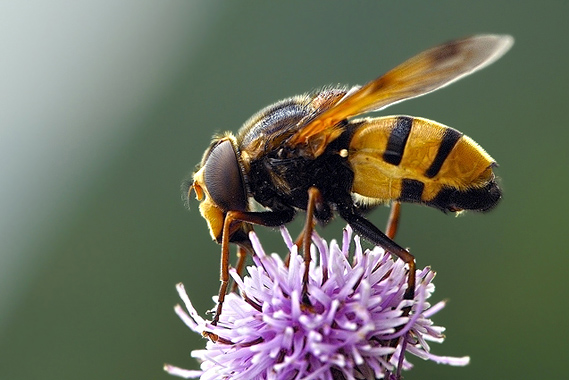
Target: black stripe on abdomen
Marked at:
411, 190
397, 140
450, 138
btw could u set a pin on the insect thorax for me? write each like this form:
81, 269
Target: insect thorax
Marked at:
281, 178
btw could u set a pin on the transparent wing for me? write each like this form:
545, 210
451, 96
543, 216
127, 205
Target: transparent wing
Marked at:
419, 75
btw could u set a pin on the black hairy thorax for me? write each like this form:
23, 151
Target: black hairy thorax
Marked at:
281, 178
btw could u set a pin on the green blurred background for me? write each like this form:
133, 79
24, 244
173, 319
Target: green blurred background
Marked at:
106, 106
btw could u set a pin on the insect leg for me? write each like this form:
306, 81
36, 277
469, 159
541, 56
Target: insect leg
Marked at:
393, 221
241, 256
267, 218
368, 231
314, 198
224, 270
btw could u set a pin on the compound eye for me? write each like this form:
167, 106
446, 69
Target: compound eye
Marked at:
223, 179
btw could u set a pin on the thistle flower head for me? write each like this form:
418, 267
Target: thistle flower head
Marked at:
354, 328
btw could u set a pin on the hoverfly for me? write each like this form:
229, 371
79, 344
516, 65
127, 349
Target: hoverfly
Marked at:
308, 153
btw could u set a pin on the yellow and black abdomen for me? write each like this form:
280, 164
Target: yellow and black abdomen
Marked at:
418, 160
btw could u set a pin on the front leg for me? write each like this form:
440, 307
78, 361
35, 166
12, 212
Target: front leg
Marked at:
266, 218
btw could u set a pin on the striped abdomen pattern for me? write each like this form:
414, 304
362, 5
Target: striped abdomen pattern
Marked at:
418, 160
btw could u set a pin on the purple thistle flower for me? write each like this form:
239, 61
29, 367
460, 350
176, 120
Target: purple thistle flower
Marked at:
355, 328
